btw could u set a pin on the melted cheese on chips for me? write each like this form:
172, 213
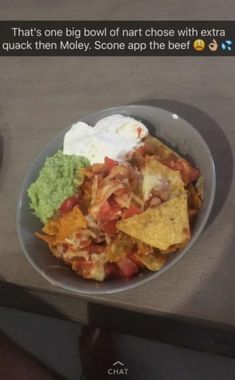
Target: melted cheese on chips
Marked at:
159, 176
97, 271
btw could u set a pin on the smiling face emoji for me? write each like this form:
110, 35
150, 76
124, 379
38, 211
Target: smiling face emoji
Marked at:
199, 45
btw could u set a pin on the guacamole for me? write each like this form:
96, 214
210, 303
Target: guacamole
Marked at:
57, 180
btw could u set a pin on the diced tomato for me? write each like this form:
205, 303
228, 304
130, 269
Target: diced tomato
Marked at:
184, 169
108, 210
131, 211
105, 211
110, 163
109, 226
69, 203
111, 270
127, 268
194, 174
187, 171
95, 248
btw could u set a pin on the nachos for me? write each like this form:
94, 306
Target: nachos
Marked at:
126, 216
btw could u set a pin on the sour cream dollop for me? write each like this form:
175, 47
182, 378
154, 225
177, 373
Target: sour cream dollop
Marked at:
114, 136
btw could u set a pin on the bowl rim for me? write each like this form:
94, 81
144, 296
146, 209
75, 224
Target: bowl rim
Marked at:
152, 275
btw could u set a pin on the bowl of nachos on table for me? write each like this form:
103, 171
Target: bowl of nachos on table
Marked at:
116, 199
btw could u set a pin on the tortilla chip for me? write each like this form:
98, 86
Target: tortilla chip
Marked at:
173, 248
162, 150
119, 248
48, 239
142, 248
162, 226
51, 228
57, 230
159, 176
167, 156
153, 261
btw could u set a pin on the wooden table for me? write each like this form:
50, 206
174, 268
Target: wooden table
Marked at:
41, 96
